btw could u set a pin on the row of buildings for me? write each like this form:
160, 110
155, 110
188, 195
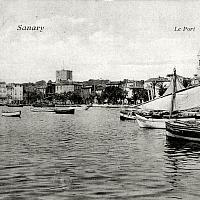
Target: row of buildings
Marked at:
21, 93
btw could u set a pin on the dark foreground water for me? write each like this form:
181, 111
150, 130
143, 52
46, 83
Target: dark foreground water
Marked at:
93, 155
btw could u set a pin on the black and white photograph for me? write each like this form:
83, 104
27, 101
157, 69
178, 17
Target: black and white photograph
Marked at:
99, 100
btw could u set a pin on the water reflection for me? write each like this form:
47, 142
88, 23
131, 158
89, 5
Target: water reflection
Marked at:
181, 167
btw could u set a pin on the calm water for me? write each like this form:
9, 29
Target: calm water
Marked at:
93, 155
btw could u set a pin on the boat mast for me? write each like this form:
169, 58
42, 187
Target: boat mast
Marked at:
173, 92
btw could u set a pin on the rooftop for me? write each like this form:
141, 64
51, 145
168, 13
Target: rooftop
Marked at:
159, 79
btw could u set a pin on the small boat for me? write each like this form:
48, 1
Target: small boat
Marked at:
70, 106
188, 130
42, 109
14, 105
11, 114
65, 111
43, 105
127, 115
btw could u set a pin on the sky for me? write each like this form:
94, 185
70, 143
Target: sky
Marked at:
98, 39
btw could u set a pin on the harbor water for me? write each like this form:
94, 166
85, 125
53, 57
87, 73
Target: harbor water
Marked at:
93, 155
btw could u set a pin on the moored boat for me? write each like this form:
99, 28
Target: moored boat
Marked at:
42, 109
11, 114
144, 122
127, 115
69, 106
65, 111
43, 105
14, 105
158, 120
188, 130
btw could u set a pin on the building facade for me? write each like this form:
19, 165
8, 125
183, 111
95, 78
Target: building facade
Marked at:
86, 91
3, 92
63, 88
152, 85
130, 85
51, 88
63, 75
15, 92
66, 86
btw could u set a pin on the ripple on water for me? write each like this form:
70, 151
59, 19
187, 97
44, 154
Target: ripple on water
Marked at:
92, 155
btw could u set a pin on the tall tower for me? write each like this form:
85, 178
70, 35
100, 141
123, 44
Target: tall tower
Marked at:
63, 75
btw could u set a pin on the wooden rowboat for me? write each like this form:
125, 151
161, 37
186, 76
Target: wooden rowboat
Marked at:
127, 115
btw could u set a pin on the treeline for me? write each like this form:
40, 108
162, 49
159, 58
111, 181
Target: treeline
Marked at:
110, 95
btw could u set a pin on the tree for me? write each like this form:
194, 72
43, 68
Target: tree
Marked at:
161, 89
140, 94
74, 97
187, 82
114, 94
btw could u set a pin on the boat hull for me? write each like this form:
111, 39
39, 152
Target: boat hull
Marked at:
66, 111
37, 109
127, 116
182, 131
144, 122
11, 114
76, 107
154, 123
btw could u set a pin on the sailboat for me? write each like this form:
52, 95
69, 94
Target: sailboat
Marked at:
157, 119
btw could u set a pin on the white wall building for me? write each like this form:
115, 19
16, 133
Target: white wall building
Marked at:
3, 92
196, 78
15, 90
64, 88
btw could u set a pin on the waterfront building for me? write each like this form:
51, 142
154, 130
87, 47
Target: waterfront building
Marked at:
9, 89
29, 93
63, 75
51, 88
98, 85
152, 85
99, 89
67, 86
3, 93
114, 84
195, 80
15, 92
131, 85
86, 92
95, 82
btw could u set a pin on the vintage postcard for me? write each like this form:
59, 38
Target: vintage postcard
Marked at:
99, 99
